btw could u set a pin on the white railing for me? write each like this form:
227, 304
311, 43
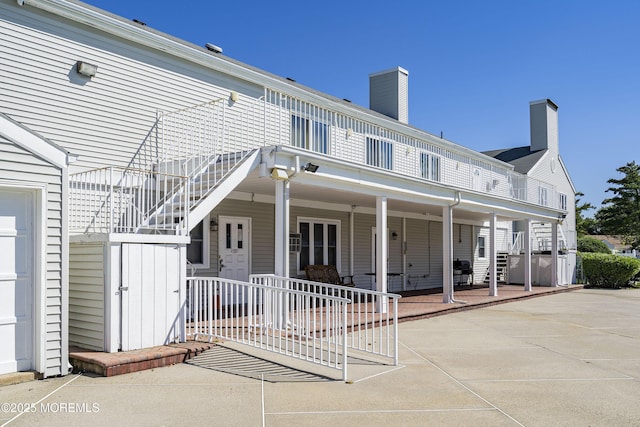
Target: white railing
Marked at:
299, 324
117, 200
206, 142
372, 317
296, 122
517, 242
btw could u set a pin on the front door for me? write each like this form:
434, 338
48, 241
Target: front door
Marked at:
234, 248
17, 253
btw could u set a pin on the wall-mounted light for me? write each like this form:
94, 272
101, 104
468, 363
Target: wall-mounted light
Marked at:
310, 167
279, 174
86, 69
233, 96
349, 133
394, 235
213, 225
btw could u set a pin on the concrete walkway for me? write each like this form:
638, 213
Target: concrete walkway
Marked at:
564, 359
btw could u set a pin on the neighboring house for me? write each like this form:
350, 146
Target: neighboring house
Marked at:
189, 162
617, 245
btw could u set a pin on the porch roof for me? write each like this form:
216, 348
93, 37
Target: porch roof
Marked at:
343, 186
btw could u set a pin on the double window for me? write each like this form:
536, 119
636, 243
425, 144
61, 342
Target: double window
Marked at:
379, 153
309, 134
319, 242
429, 166
542, 196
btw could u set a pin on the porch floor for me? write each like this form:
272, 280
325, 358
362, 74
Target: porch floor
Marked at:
413, 305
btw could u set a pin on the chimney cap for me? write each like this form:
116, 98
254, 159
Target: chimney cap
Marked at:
390, 70
545, 101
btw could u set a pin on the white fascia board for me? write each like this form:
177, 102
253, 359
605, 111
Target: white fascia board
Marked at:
199, 55
30, 141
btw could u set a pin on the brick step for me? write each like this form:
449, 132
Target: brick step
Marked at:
110, 364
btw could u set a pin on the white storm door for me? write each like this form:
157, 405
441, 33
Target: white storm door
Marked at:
234, 248
17, 252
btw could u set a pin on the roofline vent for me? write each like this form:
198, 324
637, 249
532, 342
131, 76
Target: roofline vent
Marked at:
213, 48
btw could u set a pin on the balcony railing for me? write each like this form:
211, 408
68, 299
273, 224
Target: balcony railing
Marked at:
205, 142
117, 200
216, 135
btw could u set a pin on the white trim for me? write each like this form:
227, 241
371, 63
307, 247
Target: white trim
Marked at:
129, 238
35, 144
39, 266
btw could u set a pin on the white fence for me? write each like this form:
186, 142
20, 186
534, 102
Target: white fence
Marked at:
310, 321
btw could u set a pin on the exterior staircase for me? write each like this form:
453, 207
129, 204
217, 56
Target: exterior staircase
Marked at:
207, 186
502, 259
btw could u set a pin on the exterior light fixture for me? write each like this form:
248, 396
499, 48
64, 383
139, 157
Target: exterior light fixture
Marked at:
310, 167
86, 69
279, 174
233, 96
213, 225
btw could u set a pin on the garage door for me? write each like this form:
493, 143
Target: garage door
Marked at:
17, 251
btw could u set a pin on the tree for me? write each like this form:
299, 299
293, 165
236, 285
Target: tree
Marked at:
583, 225
620, 214
591, 244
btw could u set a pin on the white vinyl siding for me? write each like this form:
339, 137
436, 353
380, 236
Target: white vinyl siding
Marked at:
18, 165
86, 296
105, 119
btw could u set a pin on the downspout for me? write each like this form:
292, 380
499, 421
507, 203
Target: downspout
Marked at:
451, 286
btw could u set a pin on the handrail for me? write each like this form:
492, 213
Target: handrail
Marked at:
373, 331
295, 323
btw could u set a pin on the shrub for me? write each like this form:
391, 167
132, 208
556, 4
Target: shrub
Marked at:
591, 244
609, 271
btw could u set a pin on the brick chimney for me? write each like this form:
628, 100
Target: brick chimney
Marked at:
389, 93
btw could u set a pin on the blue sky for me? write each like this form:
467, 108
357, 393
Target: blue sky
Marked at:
473, 65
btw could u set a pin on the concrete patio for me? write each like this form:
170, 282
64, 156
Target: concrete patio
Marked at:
567, 359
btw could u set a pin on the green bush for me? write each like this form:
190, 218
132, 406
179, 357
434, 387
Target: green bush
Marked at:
591, 244
609, 271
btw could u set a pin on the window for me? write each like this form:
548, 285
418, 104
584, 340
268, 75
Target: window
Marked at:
309, 134
429, 166
379, 153
198, 249
481, 247
542, 196
319, 243
563, 202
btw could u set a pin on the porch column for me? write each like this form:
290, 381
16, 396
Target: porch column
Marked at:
447, 254
554, 254
527, 256
381, 252
493, 268
281, 267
